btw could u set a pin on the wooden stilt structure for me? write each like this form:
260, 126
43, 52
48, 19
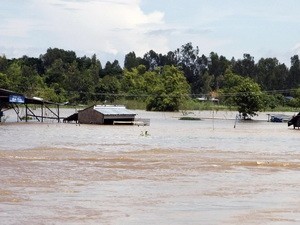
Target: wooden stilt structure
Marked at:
12, 100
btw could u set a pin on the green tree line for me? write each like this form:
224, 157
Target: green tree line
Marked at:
163, 81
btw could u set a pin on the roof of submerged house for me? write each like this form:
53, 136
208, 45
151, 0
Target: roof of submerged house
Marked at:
113, 110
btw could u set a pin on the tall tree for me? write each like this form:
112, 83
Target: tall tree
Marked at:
111, 69
267, 73
245, 67
151, 60
248, 98
34, 63
77, 84
187, 56
3, 63
207, 83
108, 89
170, 92
281, 77
294, 75
192, 66
51, 55
133, 83
244, 93
14, 74
94, 69
31, 82
170, 59
4, 81
55, 73
131, 61
217, 67
84, 62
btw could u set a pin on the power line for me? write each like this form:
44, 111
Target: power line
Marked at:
207, 95
285, 91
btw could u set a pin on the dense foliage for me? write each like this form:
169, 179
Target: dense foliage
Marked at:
164, 82
242, 92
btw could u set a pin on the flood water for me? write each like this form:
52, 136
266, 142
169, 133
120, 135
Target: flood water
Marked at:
182, 172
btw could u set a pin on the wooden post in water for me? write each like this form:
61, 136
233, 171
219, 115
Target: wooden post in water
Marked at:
42, 112
236, 118
58, 113
213, 119
26, 113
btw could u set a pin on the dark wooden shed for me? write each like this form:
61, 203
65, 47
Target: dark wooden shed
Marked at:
106, 114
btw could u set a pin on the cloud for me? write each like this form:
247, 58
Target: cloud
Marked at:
160, 32
105, 26
113, 28
16, 27
95, 16
296, 48
178, 31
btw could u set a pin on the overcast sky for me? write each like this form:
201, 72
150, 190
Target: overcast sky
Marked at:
112, 28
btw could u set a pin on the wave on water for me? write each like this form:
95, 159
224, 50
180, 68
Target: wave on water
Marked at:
164, 157
269, 164
163, 151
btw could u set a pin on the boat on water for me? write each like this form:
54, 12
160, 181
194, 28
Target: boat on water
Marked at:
278, 118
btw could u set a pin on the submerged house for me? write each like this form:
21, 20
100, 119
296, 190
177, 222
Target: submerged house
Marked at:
106, 114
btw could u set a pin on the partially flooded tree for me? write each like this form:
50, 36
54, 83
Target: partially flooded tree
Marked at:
248, 98
243, 93
170, 91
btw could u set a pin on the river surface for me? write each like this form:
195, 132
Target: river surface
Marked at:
180, 172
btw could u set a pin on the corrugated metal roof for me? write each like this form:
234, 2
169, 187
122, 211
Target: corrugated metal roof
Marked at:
4, 97
113, 110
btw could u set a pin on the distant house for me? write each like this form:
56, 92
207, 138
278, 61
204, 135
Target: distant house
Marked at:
106, 114
205, 99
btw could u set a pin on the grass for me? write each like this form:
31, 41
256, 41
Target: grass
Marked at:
196, 105
187, 105
131, 104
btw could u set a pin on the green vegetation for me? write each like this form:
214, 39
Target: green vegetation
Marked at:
171, 82
169, 91
243, 93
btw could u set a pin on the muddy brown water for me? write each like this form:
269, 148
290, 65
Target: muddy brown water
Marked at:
182, 172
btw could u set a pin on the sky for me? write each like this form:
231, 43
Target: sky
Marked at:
113, 28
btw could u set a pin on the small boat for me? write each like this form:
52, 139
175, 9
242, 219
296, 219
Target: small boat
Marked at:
276, 119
